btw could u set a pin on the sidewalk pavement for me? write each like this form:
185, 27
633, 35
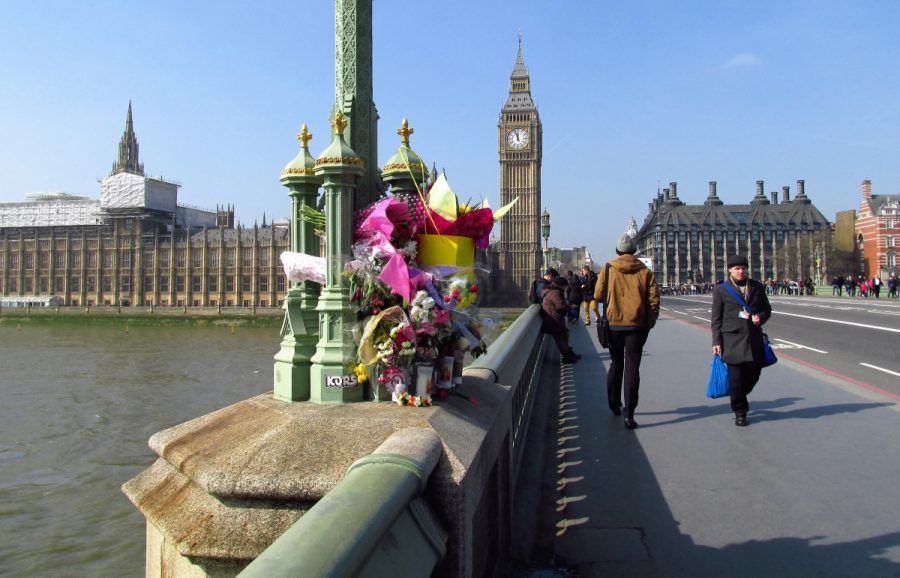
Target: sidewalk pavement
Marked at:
808, 489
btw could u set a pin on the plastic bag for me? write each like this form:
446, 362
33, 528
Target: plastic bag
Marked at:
719, 385
768, 355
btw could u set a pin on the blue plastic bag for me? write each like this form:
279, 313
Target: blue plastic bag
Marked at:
768, 354
719, 385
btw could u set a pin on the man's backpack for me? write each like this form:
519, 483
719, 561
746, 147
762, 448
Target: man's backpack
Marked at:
537, 287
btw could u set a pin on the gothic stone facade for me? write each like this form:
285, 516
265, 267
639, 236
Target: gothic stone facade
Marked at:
137, 246
516, 258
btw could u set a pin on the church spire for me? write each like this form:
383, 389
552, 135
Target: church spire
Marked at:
129, 160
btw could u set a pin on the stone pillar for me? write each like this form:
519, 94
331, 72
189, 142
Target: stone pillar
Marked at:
300, 330
340, 168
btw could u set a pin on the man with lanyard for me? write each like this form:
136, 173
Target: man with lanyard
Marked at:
737, 334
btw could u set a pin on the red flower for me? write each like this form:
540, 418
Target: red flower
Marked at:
446, 299
473, 289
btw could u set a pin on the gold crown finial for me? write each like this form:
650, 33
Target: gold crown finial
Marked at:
404, 131
304, 136
339, 124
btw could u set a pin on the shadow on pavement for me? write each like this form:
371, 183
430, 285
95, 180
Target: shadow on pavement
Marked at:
590, 504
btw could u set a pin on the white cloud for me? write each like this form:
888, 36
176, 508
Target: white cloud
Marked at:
741, 60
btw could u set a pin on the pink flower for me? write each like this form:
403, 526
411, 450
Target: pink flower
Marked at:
442, 317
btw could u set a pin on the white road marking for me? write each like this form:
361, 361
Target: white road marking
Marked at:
800, 346
881, 369
700, 318
891, 329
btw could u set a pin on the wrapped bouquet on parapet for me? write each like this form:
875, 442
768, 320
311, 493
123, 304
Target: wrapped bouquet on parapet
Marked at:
413, 282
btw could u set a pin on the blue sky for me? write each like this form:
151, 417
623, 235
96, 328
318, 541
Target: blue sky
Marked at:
630, 94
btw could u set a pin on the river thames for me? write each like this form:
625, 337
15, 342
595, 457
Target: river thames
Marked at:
77, 406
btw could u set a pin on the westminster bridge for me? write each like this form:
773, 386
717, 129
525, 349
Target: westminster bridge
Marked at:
526, 472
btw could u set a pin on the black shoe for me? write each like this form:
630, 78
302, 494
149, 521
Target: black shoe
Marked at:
741, 421
570, 358
630, 423
617, 411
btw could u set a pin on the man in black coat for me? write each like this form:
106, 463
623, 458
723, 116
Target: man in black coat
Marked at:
737, 332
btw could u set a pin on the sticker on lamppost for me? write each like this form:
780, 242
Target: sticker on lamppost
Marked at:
341, 381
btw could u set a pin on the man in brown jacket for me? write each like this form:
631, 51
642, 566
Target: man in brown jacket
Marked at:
632, 309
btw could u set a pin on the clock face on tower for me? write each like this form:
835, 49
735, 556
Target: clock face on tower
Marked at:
517, 138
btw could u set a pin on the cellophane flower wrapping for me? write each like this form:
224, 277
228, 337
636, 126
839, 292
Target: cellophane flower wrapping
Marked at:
410, 314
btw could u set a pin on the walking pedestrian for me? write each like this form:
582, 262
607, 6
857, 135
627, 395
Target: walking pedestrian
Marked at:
573, 297
737, 332
588, 283
632, 307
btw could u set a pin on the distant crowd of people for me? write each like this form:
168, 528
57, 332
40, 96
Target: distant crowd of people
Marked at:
853, 286
861, 287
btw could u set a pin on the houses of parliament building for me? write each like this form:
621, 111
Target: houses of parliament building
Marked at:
136, 246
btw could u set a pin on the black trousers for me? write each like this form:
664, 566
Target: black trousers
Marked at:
625, 350
743, 378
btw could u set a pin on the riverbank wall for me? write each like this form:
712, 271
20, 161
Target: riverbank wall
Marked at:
137, 316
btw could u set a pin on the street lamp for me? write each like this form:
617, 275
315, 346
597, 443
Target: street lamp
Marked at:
860, 246
820, 262
545, 233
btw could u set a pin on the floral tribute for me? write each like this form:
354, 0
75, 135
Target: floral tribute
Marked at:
417, 322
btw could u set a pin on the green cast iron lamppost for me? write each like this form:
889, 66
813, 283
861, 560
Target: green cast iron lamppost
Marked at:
545, 233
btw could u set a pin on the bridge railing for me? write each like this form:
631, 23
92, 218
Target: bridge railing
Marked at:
396, 514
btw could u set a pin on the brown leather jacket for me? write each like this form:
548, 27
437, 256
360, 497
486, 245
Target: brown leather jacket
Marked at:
634, 295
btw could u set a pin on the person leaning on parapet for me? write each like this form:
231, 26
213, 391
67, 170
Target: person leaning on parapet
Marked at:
588, 284
554, 309
632, 307
536, 292
737, 334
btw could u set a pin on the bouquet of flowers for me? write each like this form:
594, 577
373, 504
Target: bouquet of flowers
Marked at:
413, 312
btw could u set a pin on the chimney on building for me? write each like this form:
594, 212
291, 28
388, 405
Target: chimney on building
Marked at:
801, 197
774, 195
712, 198
760, 198
666, 194
785, 194
674, 187
867, 189
652, 206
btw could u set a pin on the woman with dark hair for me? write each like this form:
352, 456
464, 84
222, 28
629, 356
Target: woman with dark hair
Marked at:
737, 334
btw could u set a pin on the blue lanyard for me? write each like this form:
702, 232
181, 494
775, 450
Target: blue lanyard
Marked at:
740, 299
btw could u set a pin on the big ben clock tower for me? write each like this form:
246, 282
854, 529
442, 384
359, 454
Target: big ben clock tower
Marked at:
520, 147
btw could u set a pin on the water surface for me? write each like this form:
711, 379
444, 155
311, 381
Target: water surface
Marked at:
77, 406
